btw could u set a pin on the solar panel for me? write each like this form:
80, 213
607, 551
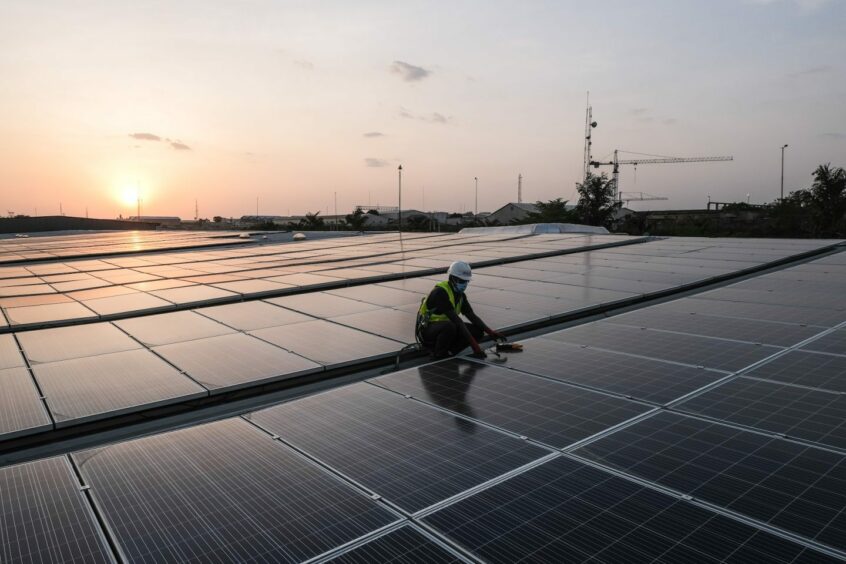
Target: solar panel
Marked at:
110, 384
761, 312
642, 378
62, 343
234, 360
21, 410
328, 343
45, 518
550, 412
689, 349
834, 342
125, 303
405, 545
813, 415
247, 287
378, 295
564, 510
805, 369
411, 454
796, 298
779, 334
248, 316
10, 356
323, 305
48, 313
390, 323
194, 294
798, 488
222, 491
176, 327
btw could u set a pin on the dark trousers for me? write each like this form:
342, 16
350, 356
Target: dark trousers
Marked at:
444, 338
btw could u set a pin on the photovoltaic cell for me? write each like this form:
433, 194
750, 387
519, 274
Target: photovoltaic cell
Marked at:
564, 510
10, 356
248, 316
763, 312
47, 313
62, 343
176, 327
805, 369
813, 415
390, 323
110, 384
689, 349
328, 343
224, 491
779, 334
403, 546
798, 488
550, 412
641, 378
323, 305
21, 410
411, 454
45, 518
834, 342
234, 360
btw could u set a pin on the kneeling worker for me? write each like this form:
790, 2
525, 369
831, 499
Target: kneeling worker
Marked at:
439, 327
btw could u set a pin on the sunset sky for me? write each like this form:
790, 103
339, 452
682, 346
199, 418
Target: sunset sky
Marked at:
291, 101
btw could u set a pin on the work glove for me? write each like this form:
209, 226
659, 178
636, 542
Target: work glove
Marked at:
495, 334
477, 350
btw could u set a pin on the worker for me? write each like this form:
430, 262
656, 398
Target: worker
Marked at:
439, 328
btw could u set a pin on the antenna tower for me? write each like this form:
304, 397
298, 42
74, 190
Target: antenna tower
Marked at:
520, 188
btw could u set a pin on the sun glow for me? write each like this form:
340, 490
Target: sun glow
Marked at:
128, 195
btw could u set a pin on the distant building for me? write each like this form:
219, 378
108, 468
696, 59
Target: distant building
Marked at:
512, 211
160, 219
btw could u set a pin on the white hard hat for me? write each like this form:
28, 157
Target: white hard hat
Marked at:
460, 269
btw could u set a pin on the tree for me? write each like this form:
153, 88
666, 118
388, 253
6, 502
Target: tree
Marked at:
553, 211
357, 220
311, 221
828, 200
217, 219
596, 200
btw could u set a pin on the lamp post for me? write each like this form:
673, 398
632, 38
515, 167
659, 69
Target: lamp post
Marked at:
476, 209
783, 147
399, 208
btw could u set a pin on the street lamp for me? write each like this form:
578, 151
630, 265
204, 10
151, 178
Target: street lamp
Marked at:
782, 169
399, 208
476, 178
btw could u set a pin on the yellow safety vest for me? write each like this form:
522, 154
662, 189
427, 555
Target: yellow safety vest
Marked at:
425, 316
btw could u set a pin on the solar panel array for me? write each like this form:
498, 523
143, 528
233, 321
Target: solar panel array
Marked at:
178, 356
707, 428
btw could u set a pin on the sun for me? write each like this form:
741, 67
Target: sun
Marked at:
128, 195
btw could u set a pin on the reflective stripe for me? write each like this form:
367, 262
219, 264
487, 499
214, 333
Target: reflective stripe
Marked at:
427, 316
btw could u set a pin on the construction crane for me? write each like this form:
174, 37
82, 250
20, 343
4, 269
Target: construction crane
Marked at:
638, 197
654, 159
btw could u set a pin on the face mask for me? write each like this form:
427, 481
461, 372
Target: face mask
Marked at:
461, 286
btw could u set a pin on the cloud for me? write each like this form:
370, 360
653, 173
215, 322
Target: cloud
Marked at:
303, 64
822, 69
145, 136
434, 117
376, 163
408, 72
833, 135
374, 134
179, 146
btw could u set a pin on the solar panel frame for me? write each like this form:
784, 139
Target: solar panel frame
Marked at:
21, 410
547, 411
45, 518
222, 490
805, 368
803, 413
565, 509
799, 488
832, 343
405, 545
720, 354
422, 457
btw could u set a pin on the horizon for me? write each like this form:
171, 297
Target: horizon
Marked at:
291, 104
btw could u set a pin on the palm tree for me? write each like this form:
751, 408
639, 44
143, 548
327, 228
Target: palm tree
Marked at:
828, 198
356, 220
312, 221
596, 200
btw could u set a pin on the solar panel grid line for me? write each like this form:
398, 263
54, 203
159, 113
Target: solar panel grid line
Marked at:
42, 398
743, 403
750, 462
353, 544
329, 469
569, 508
255, 541
756, 365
